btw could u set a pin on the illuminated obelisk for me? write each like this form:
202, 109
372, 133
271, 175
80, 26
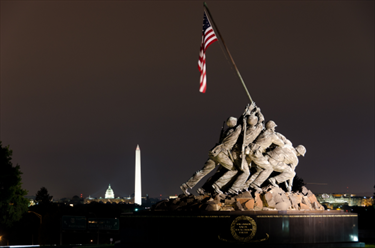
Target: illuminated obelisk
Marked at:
137, 187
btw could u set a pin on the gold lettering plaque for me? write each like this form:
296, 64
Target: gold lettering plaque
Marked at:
243, 228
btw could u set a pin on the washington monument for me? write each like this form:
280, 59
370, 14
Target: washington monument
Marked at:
137, 186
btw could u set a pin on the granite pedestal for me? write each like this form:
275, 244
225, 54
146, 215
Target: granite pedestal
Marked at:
249, 228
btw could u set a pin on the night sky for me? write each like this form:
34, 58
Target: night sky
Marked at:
82, 83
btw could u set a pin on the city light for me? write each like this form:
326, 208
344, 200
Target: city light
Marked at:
354, 238
23, 246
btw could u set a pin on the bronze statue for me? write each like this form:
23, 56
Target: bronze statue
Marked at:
266, 150
255, 126
264, 140
220, 154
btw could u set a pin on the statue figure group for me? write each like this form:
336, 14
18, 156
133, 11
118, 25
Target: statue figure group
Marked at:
246, 144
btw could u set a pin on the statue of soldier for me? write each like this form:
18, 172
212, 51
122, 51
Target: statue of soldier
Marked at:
255, 126
220, 154
255, 154
284, 160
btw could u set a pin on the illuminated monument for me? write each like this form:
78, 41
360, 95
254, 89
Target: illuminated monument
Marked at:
236, 208
109, 194
109, 197
137, 186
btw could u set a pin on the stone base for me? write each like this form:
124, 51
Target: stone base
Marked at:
270, 198
255, 228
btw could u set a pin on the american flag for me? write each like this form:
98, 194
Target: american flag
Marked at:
208, 37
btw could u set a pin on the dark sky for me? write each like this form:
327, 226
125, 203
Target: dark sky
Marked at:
82, 83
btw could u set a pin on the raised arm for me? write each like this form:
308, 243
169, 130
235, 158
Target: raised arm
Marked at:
260, 116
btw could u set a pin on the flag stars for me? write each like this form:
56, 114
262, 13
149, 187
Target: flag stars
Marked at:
206, 23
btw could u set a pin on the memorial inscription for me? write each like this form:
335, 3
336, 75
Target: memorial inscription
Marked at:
243, 228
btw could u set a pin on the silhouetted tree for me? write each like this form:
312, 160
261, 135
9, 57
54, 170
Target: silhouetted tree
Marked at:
12, 201
297, 184
42, 197
76, 200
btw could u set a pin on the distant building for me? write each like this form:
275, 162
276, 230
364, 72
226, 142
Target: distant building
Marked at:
109, 197
333, 201
109, 194
31, 200
118, 200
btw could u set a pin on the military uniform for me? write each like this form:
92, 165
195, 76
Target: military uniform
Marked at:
220, 154
252, 132
284, 160
264, 140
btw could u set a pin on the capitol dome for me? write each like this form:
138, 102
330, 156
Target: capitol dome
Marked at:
109, 194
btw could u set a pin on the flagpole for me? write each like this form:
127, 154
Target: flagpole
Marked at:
227, 50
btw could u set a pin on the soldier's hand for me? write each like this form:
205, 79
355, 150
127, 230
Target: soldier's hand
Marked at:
247, 110
247, 150
252, 105
258, 154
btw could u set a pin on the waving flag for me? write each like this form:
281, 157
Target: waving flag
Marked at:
208, 37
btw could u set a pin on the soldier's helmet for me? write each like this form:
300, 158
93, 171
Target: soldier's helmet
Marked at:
232, 121
252, 120
270, 124
301, 150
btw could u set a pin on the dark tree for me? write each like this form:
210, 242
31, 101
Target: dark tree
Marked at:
297, 184
42, 197
12, 201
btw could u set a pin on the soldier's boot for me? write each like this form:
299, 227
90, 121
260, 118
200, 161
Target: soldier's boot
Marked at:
232, 191
184, 189
217, 189
200, 191
256, 187
273, 182
289, 188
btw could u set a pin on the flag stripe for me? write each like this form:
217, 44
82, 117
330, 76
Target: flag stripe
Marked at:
208, 37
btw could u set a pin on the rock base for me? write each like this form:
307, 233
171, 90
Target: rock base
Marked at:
272, 198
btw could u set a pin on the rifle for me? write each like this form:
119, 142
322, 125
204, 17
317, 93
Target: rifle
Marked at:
222, 133
243, 162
